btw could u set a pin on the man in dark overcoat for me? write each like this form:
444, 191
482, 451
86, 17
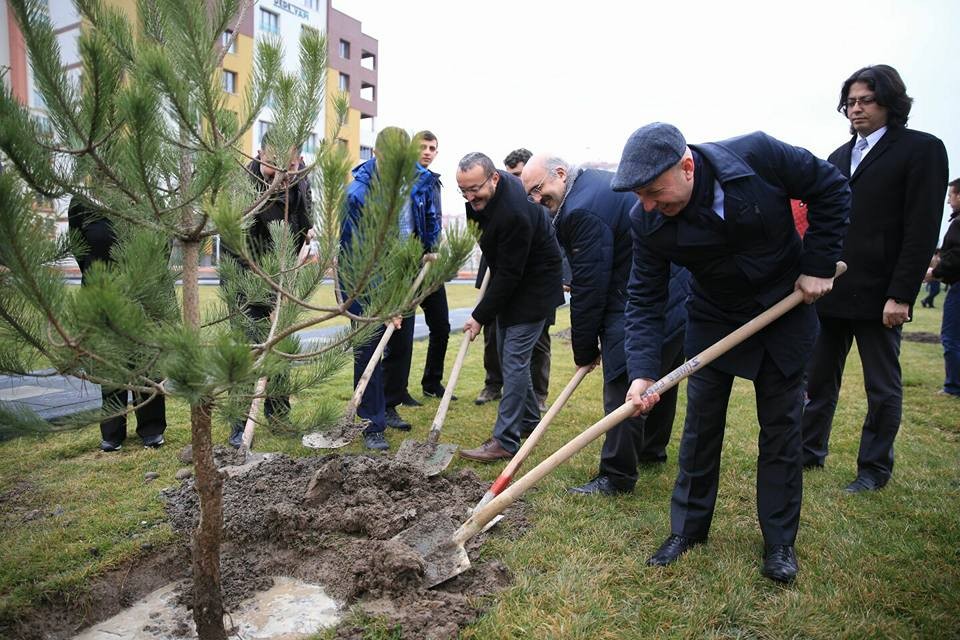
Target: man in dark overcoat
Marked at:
525, 289
898, 178
722, 210
593, 226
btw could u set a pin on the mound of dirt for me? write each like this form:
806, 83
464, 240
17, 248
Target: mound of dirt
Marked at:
330, 520
326, 520
921, 336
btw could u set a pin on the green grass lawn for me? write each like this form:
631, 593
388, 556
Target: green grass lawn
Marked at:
884, 565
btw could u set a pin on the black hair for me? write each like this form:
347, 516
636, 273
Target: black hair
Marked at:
889, 89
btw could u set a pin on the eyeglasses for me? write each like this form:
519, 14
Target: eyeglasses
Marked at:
536, 190
469, 191
863, 101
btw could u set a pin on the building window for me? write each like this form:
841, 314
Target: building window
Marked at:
368, 92
230, 81
310, 144
228, 42
262, 127
366, 152
344, 82
368, 61
269, 21
345, 49
313, 4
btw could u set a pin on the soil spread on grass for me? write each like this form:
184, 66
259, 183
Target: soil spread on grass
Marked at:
921, 336
338, 535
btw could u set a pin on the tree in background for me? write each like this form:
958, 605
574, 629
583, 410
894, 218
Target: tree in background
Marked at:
144, 139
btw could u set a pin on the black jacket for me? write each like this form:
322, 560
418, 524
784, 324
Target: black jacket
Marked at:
520, 247
745, 263
949, 268
97, 232
898, 192
293, 204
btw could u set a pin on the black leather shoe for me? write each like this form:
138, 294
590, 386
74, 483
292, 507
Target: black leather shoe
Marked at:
437, 392
394, 421
601, 485
813, 464
153, 442
410, 401
109, 447
375, 441
863, 483
780, 563
236, 435
671, 549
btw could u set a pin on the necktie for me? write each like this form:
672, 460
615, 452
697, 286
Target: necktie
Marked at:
857, 154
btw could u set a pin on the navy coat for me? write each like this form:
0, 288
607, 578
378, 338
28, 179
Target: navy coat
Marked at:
745, 263
593, 227
521, 250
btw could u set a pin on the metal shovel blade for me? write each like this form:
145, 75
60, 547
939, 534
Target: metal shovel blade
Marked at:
432, 539
334, 438
432, 458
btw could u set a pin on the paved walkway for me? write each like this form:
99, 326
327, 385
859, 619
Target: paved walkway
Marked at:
53, 396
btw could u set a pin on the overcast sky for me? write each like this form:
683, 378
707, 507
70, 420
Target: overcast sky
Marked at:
577, 78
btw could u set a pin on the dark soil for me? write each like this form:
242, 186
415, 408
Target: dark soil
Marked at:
921, 336
338, 535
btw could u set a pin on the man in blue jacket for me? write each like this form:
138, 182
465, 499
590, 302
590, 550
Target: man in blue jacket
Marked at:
374, 406
426, 210
722, 210
593, 226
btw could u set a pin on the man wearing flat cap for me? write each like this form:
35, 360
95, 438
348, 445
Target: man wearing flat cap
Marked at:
722, 210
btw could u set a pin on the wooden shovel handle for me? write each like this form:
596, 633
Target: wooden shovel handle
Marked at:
364, 380
486, 513
437, 425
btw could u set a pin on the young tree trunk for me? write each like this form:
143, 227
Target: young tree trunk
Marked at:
207, 600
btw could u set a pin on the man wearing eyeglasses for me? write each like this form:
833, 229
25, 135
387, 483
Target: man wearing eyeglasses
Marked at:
898, 177
521, 251
722, 210
593, 225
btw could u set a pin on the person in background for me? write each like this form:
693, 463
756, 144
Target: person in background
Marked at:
947, 270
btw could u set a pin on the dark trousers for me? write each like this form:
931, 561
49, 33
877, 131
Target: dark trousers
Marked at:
642, 439
151, 417
436, 314
950, 338
372, 406
779, 470
933, 290
539, 362
879, 349
398, 355
518, 414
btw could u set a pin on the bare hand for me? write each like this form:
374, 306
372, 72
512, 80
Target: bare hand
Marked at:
636, 395
397, 322
929, 276
593, 365
472, 327
895, 313
813, 288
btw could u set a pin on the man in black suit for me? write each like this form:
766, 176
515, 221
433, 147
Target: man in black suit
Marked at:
898, 178
524, 292
722, 210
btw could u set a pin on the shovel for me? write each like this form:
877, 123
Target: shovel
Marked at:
430, 456
506, 476
443, 551
345, 431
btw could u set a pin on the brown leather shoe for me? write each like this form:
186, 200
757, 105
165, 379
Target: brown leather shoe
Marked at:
489, 451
